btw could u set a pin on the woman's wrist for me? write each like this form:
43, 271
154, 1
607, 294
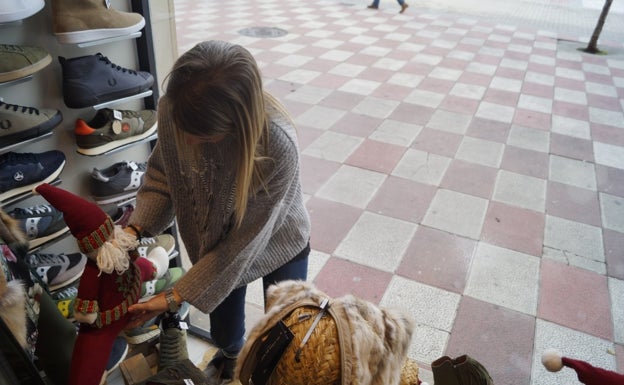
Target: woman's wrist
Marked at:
134, 229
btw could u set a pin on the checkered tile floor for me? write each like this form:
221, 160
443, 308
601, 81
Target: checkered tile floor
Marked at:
467, 172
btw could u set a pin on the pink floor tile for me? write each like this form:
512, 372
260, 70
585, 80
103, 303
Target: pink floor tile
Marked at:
607, 134
598, 78
402, 199
507, 98
331, 222
610, 180
570, 64
326, 80
489, 130
540, 90
571, 147
577, 85
575, 298
356, 125
573, 203
376, 156
454, 63
307, 135
295, 108
514, 228
614, 253
392, 91
459, 104
376, 74
315, 172
510, 73
437, 142
341, 100
438, 258
541, 68
533, 119
470, 178
526, 162
340, 277
318, 64
604, 102
498, 338
570, 110
436, 85
412, 113
619, 357
475, 78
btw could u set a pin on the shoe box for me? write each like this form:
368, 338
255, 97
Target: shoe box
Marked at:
139, 367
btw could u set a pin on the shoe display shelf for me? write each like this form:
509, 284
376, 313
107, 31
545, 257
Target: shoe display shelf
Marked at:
23, 143
78, 165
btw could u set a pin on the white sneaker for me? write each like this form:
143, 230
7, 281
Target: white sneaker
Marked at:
14, 10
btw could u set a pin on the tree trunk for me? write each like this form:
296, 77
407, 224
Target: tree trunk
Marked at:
592, 47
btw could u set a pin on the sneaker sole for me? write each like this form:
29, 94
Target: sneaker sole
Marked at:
34, 243
125, 196
96, 34
135, 340
65, 283
116, 144
20, 190
33, 132
22, 14
25, 71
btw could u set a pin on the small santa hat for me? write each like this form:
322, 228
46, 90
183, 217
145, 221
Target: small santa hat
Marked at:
91, 226
587, 374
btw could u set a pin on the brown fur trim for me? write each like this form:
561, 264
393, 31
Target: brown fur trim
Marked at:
11, 232
13, 307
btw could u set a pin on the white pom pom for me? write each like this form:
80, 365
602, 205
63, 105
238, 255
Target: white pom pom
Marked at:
551, 359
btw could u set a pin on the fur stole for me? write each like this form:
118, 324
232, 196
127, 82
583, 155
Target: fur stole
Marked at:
377, 341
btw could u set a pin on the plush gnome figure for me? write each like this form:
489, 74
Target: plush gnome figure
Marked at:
110, 283
586, 373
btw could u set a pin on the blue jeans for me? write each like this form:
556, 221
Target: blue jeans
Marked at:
227, 321
376, 2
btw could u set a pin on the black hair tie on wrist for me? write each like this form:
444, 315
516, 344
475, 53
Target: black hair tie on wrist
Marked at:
136, 231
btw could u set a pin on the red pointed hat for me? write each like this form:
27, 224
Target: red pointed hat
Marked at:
591, 375
586, 373
87, 221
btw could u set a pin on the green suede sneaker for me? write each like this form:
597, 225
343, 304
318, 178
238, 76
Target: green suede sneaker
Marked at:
112, 129
19, 123
18, 61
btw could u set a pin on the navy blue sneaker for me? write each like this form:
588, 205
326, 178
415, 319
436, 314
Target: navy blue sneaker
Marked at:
57, 270
21, 172
40, 223
93, 79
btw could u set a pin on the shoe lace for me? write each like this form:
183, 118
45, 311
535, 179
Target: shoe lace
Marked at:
70, 292
171, 343
115, 66
18, 157
38, 210
44, 259
11, 48
15, 107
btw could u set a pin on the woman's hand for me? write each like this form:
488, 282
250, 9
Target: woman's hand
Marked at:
143, 312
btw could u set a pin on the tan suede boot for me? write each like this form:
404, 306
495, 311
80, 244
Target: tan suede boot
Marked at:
80, 21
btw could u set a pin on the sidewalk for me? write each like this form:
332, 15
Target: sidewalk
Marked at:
468, 171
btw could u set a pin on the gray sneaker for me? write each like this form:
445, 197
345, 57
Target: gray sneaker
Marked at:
117, 183
183, 372
111, 129
18, 61
19, 123
41, 223
172, 347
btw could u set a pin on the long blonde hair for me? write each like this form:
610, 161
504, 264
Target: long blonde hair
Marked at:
215, 89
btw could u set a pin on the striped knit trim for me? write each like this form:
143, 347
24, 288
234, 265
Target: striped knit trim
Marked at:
98, 237
107, 317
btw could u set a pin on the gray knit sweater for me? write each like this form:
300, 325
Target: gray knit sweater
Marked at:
276, 226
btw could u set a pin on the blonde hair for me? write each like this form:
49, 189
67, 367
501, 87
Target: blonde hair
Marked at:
215, 89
